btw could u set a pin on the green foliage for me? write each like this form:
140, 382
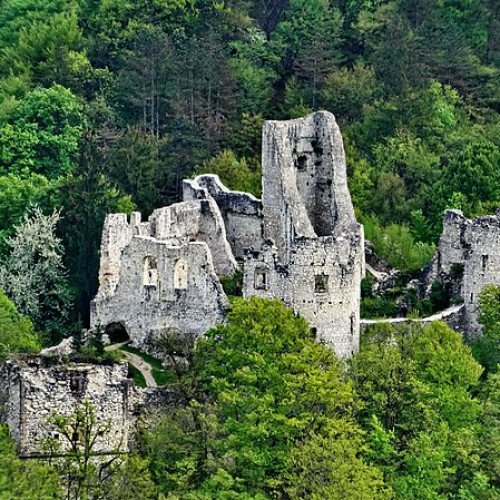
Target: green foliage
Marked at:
42, 134
85, 197
378, 307
136, 376
73, 457
264, 397
396, 245
233, 285
17, 333
24, 479
33, 276
16, 196
417, 384
237, 174
487, 347
163, 376
347, 90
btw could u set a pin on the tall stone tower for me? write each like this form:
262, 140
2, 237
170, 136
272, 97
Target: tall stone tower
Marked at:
312, 256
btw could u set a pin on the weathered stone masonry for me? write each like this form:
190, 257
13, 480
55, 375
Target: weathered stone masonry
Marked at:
300, 243
33, 389
313, 252
467, 259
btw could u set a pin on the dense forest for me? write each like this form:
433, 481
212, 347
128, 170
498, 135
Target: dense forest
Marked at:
106, 105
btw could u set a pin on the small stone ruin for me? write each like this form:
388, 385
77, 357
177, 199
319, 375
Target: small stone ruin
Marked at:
466, 260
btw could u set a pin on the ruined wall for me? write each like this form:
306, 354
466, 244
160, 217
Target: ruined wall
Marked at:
305, 190
32, 390
313, 258
197, 220
320, 282
468, 252
242, 212
161, 288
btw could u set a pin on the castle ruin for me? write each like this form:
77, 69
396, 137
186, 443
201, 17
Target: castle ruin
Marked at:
466, 260
300, 243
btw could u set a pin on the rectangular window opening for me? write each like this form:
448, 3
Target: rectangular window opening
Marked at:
484, 262
320, 283
260, 280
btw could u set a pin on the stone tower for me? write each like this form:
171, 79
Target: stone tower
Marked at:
312, 256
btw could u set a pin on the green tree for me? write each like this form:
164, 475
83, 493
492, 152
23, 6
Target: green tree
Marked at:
81, 475
17, 333
237, 174
42, 135
265, 400
33, 276
85, 198
16, 196
417, 385
347, 90
487, 347
309, 40
24, 479
489, 430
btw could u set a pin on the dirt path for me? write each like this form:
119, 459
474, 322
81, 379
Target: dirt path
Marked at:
142, 366
435, 317
137, 362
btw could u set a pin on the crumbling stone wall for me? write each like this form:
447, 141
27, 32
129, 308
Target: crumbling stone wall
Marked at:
242, 212
467, 258
163, 275
162, 288
313, 256
34, 389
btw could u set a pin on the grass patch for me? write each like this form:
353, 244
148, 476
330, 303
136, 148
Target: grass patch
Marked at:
136, 376
163, 377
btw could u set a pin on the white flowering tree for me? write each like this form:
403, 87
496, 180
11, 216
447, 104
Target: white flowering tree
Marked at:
33, 275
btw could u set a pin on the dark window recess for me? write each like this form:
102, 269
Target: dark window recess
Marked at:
472, 297
205, 207
301, 162
352, 325
77, 382
484, 262
320, 283
260, 280
317, 147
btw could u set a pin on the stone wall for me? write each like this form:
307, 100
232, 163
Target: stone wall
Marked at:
468, 259
32, 390
162, 288
242, 212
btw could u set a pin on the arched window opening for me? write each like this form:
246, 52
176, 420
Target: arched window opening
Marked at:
181, 275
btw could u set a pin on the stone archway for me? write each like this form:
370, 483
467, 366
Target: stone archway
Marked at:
117, 333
